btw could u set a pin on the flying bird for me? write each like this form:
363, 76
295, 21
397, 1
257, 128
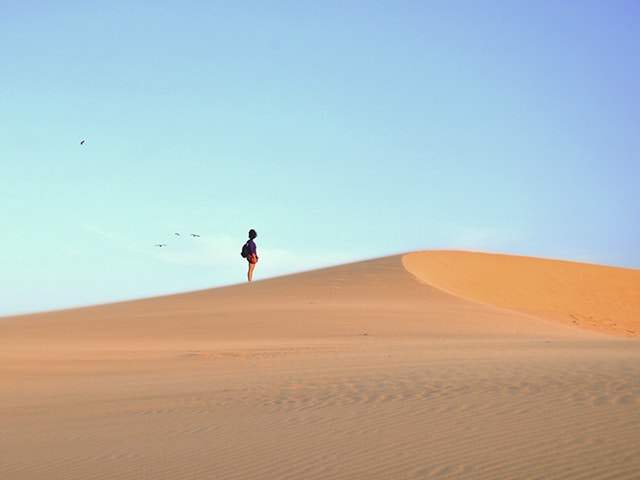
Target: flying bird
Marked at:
161, 244
177, 234
194, 235
82, 142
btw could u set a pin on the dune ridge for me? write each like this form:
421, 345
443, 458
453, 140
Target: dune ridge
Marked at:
600, 298
356, 371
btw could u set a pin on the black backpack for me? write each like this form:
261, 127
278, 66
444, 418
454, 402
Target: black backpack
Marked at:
245, 250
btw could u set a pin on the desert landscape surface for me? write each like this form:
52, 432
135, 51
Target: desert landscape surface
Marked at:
435, 364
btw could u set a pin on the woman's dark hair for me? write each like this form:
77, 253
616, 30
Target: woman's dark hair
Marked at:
252, 234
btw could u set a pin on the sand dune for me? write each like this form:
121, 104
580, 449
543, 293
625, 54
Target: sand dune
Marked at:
596, 297
442, 365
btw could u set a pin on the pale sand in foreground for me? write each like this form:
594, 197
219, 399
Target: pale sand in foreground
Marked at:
363, 371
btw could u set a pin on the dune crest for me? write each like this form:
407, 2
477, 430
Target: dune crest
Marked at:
594, 297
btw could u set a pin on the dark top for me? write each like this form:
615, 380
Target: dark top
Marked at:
252, 247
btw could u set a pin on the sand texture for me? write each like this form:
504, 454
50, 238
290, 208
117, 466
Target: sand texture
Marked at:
445, 365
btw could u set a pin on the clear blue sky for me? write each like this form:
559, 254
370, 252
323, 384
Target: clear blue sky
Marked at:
339, 130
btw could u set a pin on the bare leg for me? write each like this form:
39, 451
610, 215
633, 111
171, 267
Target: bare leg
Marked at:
250, 272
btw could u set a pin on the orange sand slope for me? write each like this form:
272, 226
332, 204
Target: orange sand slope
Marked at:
359, 371
604, 299
355, 299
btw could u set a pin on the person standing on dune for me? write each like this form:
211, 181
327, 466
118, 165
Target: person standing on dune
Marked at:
252, 256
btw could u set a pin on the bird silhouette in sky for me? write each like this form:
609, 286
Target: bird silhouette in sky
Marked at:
82, 142
177, 234
161, 244
194, 235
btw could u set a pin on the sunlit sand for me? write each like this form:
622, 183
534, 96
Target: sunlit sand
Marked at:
447, 365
